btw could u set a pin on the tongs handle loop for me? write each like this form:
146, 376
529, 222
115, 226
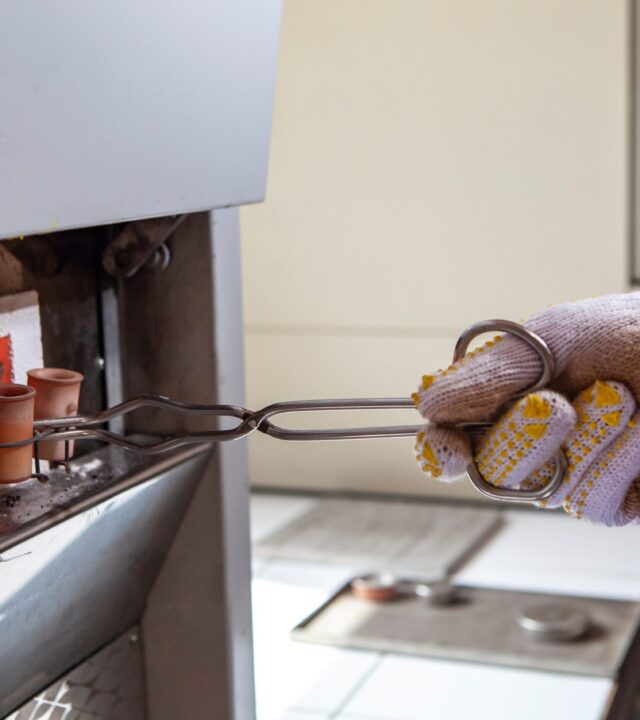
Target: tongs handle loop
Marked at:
533, 340
548, 373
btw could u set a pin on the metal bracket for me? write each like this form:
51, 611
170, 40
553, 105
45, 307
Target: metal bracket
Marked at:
138, 244
38, 256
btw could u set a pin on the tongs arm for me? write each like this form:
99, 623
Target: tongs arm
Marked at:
142, 401
83, 427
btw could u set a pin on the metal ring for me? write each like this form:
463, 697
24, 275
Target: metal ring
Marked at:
514, 495
512, 328
548, 373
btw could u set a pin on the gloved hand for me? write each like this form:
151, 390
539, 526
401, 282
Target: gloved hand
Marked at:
590, 410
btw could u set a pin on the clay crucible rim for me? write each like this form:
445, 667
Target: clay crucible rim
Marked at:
13, 392
57, 376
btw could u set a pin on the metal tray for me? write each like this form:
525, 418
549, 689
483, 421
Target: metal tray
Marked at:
481, 627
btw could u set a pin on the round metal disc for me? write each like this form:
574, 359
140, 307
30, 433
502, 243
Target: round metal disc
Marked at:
554, 622
440, 592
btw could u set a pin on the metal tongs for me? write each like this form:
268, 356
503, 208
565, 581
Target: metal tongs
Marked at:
84, 427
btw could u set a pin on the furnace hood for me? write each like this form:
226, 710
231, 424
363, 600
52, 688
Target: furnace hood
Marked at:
114, 110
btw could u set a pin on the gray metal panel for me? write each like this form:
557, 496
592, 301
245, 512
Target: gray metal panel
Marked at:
108, 686
233, 461
72, 588
33, 506
182, 337
120, 109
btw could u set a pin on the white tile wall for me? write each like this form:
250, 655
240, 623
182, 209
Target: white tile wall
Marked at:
430, 167
282, 367
551, 552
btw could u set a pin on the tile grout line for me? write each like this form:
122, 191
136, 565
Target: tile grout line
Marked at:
266, 564
358, 686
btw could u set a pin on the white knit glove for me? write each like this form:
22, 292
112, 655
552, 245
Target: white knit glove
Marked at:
590, 410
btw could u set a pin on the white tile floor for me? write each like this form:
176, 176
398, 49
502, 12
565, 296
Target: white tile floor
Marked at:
269, 512
296, 681
412, 689
301, 716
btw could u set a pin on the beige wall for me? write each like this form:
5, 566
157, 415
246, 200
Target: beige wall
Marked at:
434, 162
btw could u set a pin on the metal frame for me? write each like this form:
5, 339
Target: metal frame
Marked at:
196, 629
177, 332
634, 143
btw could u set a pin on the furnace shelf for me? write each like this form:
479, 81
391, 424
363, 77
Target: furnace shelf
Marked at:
29, 507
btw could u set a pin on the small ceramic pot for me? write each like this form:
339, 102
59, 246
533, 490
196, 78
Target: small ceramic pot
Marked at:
57, 394
377, 587
16, 423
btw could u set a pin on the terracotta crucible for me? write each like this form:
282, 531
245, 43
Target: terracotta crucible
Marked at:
377, 587
57, 394
16, 423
